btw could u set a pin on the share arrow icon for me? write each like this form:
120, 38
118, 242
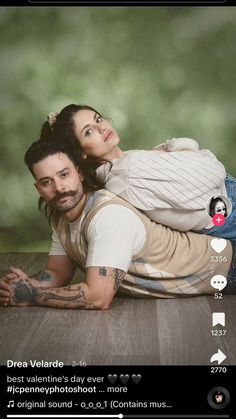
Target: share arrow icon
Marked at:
218, 356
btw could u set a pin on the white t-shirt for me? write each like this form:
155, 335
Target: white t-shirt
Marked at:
115, 235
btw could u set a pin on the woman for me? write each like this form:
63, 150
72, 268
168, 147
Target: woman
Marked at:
217, 206
171, 184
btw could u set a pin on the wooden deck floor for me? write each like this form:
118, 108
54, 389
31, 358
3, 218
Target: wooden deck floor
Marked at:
132, 332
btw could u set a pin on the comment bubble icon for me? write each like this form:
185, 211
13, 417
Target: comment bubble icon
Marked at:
218, 282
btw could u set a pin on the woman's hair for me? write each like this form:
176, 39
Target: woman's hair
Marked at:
213, 203
61, 127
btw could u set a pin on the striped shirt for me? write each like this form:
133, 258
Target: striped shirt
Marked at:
172, 188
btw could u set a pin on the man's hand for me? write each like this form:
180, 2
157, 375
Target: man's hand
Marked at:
16, 273
4, 291
6, 284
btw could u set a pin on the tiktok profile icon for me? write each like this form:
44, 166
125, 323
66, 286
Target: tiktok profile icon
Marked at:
218, 397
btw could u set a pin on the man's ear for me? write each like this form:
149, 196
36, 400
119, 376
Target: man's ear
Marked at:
37, 187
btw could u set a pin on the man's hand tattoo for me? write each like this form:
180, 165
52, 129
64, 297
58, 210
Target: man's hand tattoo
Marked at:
24, 292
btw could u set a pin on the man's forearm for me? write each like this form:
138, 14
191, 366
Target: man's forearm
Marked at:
58, 272
96, 293
43, 276
77, 296
46, 278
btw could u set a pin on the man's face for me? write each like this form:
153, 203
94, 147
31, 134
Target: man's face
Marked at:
59, 182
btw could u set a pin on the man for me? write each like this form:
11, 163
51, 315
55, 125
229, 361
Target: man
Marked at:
118, 246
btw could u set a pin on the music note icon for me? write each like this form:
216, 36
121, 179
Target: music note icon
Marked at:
11, 403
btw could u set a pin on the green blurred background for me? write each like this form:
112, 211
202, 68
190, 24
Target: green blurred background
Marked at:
158, 72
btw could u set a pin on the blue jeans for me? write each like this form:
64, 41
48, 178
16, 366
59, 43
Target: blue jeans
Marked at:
231, 278
228, 231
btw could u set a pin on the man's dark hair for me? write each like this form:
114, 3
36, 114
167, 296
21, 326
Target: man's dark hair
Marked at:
39, 150
63, 129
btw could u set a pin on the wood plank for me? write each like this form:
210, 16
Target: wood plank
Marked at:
185, 330
113, 336
30, 262
227, 342
132, 332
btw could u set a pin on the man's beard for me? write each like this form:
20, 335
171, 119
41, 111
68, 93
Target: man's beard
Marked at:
53, 203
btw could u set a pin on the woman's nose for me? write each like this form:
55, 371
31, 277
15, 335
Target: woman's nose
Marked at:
102, 128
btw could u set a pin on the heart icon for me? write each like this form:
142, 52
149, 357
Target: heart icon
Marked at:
136, 378
218, 245
124, 378
112, 378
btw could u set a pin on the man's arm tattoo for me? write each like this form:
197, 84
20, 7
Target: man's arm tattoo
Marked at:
42, 276
74, 297
79, 295
118, 276
102, 271
66, 297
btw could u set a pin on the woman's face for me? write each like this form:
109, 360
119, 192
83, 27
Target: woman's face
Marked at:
96, 135
220, 208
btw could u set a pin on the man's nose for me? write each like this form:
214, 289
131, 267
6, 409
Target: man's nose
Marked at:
59, 185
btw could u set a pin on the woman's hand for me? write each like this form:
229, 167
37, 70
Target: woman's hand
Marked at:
161, 148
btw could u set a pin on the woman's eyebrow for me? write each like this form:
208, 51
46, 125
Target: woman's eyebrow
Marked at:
87, 125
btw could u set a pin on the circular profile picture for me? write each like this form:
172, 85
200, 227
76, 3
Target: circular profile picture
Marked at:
218, 397
219, 205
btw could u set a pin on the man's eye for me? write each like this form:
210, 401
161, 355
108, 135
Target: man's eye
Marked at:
99, 119
65, 174
46, 183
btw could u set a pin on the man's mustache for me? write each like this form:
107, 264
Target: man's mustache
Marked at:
59, 196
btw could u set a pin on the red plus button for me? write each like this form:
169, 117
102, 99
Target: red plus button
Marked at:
218, 219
